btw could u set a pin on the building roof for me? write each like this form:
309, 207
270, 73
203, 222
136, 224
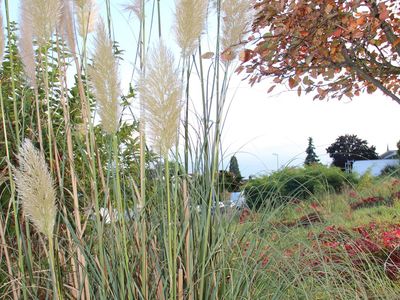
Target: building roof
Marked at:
389, 154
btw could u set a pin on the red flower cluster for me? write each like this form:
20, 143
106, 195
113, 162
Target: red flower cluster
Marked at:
367, 202
380, 242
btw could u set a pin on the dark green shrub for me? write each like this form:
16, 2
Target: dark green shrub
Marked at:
295, 183
393, 171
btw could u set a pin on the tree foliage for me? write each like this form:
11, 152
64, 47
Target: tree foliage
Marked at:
234, 167
347, 148
331, 47
311, 157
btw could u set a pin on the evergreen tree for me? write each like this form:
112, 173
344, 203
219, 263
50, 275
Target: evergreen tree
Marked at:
234, 167
311, 158
398, 149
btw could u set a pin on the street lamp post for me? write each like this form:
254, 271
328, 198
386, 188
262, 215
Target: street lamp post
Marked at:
277, 160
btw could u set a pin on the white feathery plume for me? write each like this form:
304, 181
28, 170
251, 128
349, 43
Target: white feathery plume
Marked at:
1, 37
26, 47
236, 21
66, 25
190, 17
103, 76
35, 188
160, 95
43, 16
136, 7
86, 13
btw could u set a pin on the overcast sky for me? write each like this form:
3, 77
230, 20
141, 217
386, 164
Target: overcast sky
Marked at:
264, 130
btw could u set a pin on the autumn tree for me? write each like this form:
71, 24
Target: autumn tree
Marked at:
311, 157
329, 47
349, 148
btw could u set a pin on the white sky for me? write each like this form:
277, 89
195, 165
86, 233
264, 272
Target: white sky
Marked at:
260, 124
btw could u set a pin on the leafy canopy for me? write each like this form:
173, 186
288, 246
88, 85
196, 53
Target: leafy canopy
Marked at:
331, 47
347, 148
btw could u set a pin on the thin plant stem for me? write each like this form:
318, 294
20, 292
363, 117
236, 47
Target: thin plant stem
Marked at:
3, 241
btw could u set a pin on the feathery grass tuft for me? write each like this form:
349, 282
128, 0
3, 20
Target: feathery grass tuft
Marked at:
190, 18
104, 78
135, 7
1, 36
160, 91
66, 25
237, 18
86, 12
26, 47
43, 16
36, 188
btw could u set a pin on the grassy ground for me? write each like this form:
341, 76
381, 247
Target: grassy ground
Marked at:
324, 248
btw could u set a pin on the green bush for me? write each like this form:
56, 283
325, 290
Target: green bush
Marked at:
290, 183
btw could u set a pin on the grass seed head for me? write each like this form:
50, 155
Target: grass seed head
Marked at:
43, 16
104, 79
190, 17
35, 188
160, 94
236, 20
86, 13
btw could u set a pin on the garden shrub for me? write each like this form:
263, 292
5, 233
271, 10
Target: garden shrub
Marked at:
295, 183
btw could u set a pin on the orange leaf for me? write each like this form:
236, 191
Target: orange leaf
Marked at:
396, 42
227, 55
292, 83
245, 55
338, 32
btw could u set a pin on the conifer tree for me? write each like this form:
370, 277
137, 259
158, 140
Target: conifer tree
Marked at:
311, 158
234, 167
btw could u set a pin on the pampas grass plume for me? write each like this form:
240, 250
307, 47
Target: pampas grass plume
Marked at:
43, 16
1, 36
35, 188
160, 92
26, 47
236, 20
104, 79
190, 16
136, 7
66, 25
86, 13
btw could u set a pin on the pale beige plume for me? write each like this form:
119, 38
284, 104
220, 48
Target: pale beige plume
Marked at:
1, 36
35, 188
236, 16
135, 6
26, 47
160, 95
190, 17
86, 13
43, 16
66, 25
104, 79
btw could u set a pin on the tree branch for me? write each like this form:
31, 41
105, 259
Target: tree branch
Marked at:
364, 74
387, 29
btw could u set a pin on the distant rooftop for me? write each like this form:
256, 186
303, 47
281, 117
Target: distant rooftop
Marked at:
389, 154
